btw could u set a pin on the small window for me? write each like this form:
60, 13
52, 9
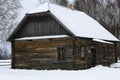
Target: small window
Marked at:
110, 52
82, 52
103, 52
61, 53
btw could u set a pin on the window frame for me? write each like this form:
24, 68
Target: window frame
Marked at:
61, 53
82, 54
104, 52
110, 53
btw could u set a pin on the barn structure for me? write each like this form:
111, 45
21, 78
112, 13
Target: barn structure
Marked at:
55, 37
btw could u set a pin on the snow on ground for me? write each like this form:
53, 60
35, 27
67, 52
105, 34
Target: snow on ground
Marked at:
95, 73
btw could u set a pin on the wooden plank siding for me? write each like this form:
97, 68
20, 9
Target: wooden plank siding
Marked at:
41, 26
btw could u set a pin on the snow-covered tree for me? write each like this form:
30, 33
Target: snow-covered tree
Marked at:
8, 14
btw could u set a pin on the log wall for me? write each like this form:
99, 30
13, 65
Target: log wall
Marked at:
80, 62
42, 54
104, 55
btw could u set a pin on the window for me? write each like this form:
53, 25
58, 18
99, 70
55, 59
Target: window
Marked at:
61, 53
82, 52
110, 52
103, 52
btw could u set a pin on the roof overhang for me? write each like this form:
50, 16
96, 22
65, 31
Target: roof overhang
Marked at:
42, 37
73, 21
102, 41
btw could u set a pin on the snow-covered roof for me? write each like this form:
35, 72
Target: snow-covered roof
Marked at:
79, 23
43, 37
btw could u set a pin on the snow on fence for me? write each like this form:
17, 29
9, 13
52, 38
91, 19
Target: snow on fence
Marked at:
116, 65
5, 62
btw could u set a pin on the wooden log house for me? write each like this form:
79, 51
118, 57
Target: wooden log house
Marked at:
55, 37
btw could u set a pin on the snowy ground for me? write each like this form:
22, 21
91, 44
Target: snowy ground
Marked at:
95, 73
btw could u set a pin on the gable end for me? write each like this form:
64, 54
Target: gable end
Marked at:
39, 24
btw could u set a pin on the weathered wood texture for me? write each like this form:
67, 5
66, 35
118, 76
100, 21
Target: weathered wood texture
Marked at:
105, 54
79, 53
42, 54
82, 62
40, 26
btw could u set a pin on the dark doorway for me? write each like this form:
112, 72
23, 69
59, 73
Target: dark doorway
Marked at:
93, 56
